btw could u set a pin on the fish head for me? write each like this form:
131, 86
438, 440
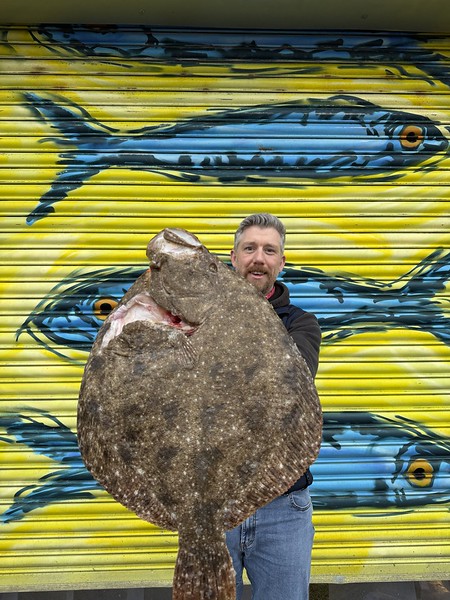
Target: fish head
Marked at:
382, 462
68, 318
184, 275
420, 136
408, 136
423, 471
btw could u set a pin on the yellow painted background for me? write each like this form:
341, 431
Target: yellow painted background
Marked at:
367, 228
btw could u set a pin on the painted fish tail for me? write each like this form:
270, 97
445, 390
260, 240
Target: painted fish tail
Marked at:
431, 273
203, 571
78, 129
417, 300
430, 277
71, 119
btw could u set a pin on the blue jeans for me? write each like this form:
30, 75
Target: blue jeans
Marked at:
274, 546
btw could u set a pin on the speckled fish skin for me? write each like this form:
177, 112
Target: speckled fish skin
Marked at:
195, 424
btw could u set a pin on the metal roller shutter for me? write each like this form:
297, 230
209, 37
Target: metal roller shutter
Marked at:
110, 134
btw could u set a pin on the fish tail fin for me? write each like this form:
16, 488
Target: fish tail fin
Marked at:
430, 275
204, 571
426, 281
78, 129
69, 118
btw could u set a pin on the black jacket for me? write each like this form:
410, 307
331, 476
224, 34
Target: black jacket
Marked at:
301, 325
305, 331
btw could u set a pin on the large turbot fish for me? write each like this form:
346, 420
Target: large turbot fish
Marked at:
271, 144
196, 407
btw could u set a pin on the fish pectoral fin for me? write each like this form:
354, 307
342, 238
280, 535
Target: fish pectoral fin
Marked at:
188, 354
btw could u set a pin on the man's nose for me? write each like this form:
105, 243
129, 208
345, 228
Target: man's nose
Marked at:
258, 256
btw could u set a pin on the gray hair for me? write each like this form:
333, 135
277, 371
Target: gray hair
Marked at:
263, 220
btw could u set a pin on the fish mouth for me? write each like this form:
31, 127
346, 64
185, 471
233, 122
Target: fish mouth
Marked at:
143, 307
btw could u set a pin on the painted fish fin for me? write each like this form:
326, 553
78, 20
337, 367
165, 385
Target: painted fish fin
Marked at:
426, 280
54, 440
46, 435
58, 486
411, 301
65, 182
72, 122
430, 275
78, 129
203, 570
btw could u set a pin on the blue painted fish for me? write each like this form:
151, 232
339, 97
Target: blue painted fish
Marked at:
347, 305
366, 461
404, 55
74, 310
46, 435
271, 144
377, 461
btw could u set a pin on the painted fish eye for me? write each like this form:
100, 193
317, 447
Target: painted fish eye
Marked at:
103, 307
411, 136
420, 473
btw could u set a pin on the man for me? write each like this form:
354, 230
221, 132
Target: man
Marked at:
274, 545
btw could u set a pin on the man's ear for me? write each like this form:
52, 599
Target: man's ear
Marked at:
283, 262
233, 258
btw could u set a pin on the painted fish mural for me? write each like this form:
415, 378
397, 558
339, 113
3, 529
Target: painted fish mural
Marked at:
46, 435
271, 144
371, 465
382, 462
372, 460
351, 50
74, 310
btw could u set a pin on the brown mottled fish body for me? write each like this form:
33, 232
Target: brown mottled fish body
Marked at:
196, 407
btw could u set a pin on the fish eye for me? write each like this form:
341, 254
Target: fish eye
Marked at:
103, 307
411, 136
420, 473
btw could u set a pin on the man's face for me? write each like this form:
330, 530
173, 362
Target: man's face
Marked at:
258, 257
